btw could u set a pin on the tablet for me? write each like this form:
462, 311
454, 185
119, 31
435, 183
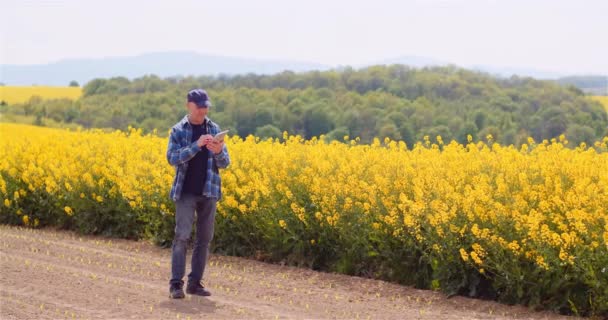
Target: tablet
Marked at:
220, 135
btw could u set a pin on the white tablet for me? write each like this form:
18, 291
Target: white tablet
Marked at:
220, 135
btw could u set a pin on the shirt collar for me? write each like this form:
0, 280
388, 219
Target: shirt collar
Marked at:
185, 121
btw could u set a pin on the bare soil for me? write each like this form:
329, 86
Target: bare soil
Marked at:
50, 274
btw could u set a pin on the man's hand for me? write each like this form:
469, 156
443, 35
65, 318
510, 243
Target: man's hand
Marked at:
215, 146
204, 140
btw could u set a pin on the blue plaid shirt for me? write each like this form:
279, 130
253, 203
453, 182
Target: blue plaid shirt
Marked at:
181, 150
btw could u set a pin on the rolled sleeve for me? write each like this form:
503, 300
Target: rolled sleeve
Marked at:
223, 158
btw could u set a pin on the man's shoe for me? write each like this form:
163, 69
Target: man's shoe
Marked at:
198, 289
176, 291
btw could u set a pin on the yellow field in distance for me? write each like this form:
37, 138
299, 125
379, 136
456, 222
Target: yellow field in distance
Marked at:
18, 94
603, 100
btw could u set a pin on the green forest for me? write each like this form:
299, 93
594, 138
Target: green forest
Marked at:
396, 101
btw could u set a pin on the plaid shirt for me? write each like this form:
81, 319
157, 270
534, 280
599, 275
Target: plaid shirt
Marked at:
180, 150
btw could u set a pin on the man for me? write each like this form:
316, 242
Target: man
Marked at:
197, 158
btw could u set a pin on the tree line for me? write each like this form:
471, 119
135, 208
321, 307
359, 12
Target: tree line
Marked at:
395, 101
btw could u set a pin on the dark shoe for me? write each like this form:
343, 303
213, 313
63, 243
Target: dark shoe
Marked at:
197, 289
176, 291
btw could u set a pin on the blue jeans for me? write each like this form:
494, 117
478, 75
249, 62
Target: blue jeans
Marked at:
185, 207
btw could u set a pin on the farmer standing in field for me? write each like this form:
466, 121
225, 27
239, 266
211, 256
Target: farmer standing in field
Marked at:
196, 187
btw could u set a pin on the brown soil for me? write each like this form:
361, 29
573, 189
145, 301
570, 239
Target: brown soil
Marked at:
49, 274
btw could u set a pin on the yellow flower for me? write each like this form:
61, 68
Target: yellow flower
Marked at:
318, 216
68, 210
21, 94
282, 224
544, 203
464, 255
476, 258
478, 249
541, 262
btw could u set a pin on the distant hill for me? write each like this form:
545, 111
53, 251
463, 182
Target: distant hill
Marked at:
187, 63
412, 61
594, 85
162, 64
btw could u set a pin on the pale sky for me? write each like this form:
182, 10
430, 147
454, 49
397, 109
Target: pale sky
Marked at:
564, 36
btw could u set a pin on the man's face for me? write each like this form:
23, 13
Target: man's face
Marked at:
196, 112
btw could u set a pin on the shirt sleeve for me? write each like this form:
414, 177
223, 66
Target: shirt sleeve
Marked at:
177, 155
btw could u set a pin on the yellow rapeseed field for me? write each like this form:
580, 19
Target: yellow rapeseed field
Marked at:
525, 218
602, 99
16, 94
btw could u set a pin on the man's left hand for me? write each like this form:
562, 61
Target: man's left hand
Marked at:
215, 146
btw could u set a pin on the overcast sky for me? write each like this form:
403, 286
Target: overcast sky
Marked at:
556, 35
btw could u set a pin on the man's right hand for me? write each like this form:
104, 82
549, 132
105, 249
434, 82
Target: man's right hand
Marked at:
204, 139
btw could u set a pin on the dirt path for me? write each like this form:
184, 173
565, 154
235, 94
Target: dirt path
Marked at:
47, 274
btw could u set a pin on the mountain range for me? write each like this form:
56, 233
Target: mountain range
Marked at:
185, 63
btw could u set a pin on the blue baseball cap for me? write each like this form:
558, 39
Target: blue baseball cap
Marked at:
199, 97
